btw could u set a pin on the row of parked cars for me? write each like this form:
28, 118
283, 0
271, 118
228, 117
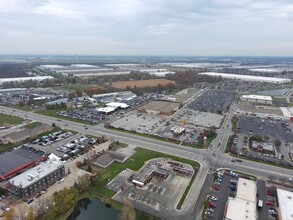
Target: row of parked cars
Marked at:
52, 138
75, 147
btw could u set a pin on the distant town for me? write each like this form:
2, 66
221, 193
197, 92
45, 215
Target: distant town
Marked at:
151, 137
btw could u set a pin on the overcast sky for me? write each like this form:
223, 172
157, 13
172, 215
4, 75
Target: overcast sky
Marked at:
147, 27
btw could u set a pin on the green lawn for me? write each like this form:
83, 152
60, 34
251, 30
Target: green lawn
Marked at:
9, 119
133, 163
5, 147
54, 113
23, 108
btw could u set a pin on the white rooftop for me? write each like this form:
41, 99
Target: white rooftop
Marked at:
117, 104
246, 190
22, 79
285, 199
34, 174
248, 77
239, 209
261, 97
106, 109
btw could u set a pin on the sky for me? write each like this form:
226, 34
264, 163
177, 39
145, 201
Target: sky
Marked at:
147, 27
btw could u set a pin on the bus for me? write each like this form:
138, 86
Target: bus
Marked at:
259, 205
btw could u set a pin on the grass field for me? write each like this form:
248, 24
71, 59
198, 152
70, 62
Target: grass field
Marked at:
141, 83
133, 163
10, 120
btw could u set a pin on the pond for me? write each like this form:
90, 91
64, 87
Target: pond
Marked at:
93, 209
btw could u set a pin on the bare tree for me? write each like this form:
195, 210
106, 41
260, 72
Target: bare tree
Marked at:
22, 211
43, 204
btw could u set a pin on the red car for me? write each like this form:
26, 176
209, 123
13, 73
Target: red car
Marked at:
270, 203
216, 187
212, 204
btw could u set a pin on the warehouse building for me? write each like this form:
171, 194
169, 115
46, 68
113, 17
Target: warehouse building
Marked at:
273, 80
243, 206
285, 200
257, 99
14, 162
160, 107
36, 179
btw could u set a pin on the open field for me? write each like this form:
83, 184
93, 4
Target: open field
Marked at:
141, 83
9, 120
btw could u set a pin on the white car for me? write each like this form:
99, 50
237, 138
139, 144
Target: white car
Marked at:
214, 198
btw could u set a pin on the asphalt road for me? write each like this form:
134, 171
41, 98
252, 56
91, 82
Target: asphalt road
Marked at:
214, 158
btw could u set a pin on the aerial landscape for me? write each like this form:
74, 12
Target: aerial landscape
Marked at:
146, 110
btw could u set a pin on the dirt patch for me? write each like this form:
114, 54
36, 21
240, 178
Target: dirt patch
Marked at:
141, 83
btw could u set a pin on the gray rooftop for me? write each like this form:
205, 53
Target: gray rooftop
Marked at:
144, 173
34, 174
16, 158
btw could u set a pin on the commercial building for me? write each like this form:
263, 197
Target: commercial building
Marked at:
115, 96
24, 79
243, 206
117, 105
35, 179
14, 162
274, 80
160, 168
257, 99
285, 200
267, 148
160, 107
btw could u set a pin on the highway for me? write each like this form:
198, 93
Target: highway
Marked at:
213, 157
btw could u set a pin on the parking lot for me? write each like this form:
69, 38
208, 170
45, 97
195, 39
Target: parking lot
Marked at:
65, 146
222, 187
162, 196
263, 126
140, 123
261, 109
214, 101
91, 115
158, 194
193, 117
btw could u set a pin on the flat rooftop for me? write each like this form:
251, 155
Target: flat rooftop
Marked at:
246, 190
14, 159
248, 77
239, 209
261, 97
34, 174
144, 173
164, 106
285, 199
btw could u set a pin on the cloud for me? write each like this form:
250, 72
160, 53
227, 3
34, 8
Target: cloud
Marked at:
166, 26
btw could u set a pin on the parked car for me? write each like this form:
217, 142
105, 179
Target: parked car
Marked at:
233, 187
30, 201
216, 187
5, 209
212, 204
213, 198
270, 203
